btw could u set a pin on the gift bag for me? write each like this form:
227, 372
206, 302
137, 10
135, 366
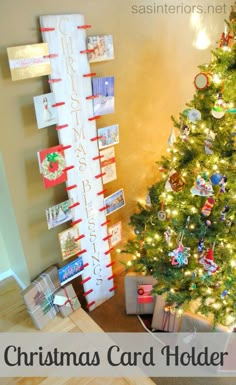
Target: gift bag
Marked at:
39, 297
66, 300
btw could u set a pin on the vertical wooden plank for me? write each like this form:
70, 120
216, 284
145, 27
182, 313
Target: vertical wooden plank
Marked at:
66, 44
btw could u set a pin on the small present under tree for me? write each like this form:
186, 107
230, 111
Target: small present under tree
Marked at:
185, 235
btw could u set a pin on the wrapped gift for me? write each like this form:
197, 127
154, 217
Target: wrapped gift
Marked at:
138, 293
39, 297
66, 300
192, 322
165, 317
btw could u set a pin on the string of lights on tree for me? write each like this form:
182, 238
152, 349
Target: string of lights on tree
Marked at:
185, 234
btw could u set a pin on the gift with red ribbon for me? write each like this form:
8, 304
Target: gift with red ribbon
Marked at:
39, 297
66, 300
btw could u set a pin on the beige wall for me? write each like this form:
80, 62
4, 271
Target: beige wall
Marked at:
154, 68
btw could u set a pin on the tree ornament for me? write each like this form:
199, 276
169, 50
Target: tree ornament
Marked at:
225, 39
175, 182
201, 246
224, 294
207, 207
202, 81
194, 115
172, 138
180, 256
137, 231
216, 178
202, 186
223, 183
167, 235
208, 223
218, 111
224, 212
185, 131
148, 202
161, 215
207, 260
210, 138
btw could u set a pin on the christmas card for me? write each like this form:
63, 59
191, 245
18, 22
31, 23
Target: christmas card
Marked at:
108, 136
68, 243
45, 113
114, 201
70, 271
29, 61
52, 165
108, 165
116, 234
102, 47
58, 214
104, 103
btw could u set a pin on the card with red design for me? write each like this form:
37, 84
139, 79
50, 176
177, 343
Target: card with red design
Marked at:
108, 165
52, 165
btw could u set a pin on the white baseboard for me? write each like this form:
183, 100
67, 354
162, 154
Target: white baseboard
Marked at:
11, 273
5, 274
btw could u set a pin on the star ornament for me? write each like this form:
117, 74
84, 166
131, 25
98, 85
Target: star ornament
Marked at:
180, 256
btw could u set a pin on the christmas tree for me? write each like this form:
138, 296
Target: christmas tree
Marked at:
185, 234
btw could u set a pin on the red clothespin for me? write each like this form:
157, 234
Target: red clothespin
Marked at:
100, 175
84, 26
111, 276
71, 187
89, 75
74, 205
85, 265
85, 280
111, 264
104, 208
102, 192
108, 251
106, 223
90, 304
98, 157
58, 104
80, 237
88, 292
113, 288
54, 80
91, 97
94, 118
107, 237
65, 147
46, 29
68, 168
87, 51
95, 138
76, 222
61, 126
81, 252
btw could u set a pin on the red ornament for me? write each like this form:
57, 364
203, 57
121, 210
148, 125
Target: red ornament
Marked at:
207, 261
207, 207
